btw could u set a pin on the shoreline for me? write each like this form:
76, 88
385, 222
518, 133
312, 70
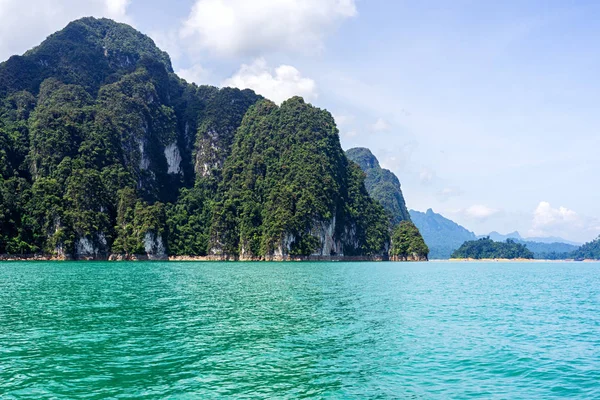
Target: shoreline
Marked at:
515, 260
122, 258
213, 258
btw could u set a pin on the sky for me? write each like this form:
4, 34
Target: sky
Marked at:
486, 111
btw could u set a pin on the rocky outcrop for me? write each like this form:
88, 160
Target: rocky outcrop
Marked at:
209, 151
91, 248
173, 157
154, 246
413, 258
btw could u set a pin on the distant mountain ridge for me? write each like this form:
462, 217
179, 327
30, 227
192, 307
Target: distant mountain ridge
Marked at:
498, 237
443, 236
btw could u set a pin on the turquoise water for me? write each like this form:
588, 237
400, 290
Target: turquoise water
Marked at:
291, 330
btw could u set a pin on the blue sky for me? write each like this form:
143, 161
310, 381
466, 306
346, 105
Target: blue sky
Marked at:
486, 111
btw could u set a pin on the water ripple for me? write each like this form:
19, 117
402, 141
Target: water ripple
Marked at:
308, 330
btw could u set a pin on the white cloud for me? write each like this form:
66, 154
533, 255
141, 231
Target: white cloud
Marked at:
349, 134
252, 28
195, 74
544, 216
24, 24
426, 176
277, 84
480, 212
561, 221
396, 158
381, 125
117, 8
343, 120
448, 192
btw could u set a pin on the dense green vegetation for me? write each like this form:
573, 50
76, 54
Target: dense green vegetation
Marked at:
486, 248
442, 235
407, 242
589, 251
98, 135
287, 183
103, 149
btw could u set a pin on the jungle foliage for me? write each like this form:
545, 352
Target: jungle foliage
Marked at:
103, 149
589, 251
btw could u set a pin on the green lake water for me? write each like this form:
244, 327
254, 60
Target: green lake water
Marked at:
299, 330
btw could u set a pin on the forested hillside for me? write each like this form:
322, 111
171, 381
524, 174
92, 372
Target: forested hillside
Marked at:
104, 150
589, 251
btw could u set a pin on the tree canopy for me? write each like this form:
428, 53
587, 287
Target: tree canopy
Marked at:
407, 242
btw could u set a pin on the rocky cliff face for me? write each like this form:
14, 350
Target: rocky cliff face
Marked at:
220, 118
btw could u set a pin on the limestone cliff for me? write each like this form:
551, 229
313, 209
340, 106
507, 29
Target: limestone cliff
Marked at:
104, 150
289, 190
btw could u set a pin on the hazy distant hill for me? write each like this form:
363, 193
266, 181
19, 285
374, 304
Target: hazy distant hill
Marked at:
550, 251
442, 235
498, 237
552, 239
